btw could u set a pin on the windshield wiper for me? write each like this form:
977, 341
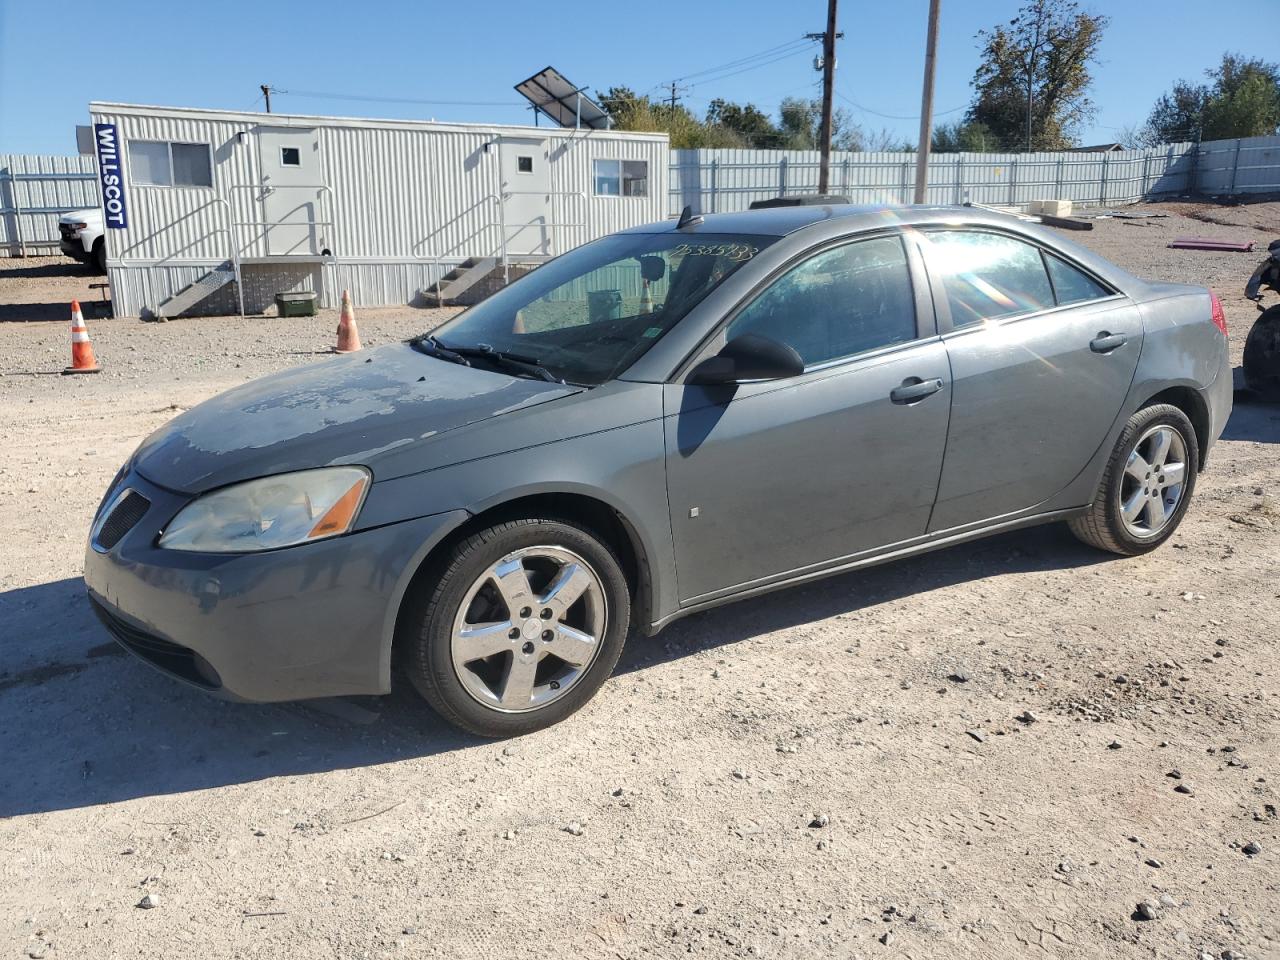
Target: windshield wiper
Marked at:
500, 358
434, 348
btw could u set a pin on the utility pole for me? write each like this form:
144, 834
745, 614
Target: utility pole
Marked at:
926, 105
828, 90
673, 98
266, 93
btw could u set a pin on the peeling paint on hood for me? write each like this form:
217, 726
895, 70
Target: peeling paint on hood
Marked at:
349, 409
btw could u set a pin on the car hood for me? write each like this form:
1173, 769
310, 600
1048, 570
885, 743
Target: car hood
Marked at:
88, 215
357, 408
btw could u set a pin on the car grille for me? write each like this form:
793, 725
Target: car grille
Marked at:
124, 515
173, 659
68, 233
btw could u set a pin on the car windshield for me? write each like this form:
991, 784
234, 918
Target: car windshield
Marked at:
588, 315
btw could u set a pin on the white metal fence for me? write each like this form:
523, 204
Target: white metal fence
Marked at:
34, 191
719, 181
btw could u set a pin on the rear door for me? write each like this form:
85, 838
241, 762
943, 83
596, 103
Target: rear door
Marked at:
1042, 356
770, 479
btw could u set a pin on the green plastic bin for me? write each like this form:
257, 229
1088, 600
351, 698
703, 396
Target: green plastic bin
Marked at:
296, 304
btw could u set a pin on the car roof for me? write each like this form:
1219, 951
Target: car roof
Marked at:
849, 218
781, 221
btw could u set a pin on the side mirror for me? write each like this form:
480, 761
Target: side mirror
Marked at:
748, 357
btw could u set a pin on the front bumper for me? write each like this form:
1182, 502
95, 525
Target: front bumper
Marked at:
313, 620
73, 249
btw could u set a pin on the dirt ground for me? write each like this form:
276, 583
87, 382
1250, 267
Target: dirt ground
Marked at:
884, 701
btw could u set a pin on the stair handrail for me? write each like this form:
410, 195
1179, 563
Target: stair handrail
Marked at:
235, 250
325, 190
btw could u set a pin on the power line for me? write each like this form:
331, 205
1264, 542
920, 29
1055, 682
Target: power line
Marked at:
895, 116
754, 66
742, 60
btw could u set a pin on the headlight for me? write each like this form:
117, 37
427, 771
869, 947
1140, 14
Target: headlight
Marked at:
272, 512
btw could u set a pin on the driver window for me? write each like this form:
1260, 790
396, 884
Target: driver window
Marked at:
841, 302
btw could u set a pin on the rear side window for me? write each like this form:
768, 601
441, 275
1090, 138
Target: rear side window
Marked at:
1072, 285
838, 303
988, 276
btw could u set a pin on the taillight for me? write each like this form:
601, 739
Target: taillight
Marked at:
1216, 315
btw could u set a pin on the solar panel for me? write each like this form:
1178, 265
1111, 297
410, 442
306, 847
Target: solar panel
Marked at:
556, 98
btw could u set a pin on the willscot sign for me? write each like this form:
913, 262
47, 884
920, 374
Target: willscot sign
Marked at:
111, 175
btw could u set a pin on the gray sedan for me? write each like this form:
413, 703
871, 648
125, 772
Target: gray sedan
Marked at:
655, 423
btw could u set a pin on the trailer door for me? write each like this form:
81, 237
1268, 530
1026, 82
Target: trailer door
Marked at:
292, 191
526, 196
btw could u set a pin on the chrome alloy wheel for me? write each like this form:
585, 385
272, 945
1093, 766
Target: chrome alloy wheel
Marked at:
1154, 478
529, 628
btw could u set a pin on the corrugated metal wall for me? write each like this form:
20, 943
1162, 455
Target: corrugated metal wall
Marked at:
1249, 165
718, 181
34, 191
406, 200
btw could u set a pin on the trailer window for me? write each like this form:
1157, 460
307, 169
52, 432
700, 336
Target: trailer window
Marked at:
159, 163
621, 178
149, 163
290, 157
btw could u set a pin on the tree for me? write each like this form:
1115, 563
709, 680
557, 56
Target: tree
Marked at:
1031, 88
962, 137
1242, 99
747, 121
631, 111
800, 121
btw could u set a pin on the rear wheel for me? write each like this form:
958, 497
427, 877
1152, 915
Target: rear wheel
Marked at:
525, 623
1147, 486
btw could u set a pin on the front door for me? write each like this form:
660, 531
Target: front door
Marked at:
291, 195
771, 479
1042, 356
526, 196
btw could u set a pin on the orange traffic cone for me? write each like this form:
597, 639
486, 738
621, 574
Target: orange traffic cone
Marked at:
82, 358
348, 335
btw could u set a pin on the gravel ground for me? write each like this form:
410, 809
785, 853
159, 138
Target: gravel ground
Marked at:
1013, 748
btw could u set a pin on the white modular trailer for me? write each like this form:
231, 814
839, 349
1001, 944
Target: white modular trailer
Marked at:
288, 203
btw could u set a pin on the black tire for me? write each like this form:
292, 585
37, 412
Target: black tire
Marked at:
1101, 525
100, 255
426, 654
1262, 356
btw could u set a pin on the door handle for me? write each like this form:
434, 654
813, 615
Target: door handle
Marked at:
1105, 342
913, 389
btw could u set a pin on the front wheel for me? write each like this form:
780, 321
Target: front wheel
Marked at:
1146, 486
523, 625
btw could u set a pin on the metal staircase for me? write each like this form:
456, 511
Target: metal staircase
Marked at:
461, 279
193, 293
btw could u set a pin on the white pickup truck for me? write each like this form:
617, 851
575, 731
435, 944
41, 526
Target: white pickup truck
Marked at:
80, 237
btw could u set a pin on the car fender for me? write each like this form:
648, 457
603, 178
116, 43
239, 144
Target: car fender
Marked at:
623, 468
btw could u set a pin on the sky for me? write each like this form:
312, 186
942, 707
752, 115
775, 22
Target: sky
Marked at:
58, 55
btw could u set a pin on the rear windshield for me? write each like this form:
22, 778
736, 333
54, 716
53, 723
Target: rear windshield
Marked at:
590, 314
